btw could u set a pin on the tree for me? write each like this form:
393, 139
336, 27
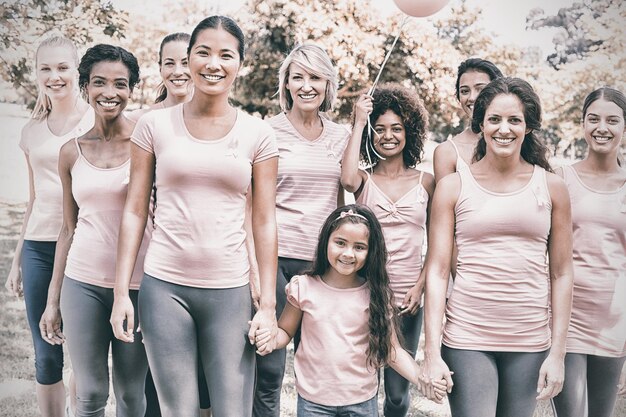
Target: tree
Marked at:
26, 23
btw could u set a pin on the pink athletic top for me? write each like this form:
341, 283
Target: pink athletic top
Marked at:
598, 321
460, 162
331, 361
42, 148
309, 177
404, 227
100, 194
500, 297
199, 238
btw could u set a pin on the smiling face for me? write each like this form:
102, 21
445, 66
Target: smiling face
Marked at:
471, 84
391, 134
56, 72
175, 69
307, 90
347, 248
504, 126
214, 61
604, 127
108, 89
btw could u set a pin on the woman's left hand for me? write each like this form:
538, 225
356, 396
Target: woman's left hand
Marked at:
412, 300
551, 376
621, 387
265, 318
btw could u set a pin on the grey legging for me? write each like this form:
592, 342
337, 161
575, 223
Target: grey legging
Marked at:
86, 311
501, 384
590, 387
178, 324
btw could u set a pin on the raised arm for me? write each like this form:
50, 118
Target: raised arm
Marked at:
437, 267
552, 372
132, 227
351, 177
50, 322
265, 243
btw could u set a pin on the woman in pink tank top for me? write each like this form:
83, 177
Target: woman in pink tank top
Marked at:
507, 214
94, 170
399, 195
596, 340
473, 75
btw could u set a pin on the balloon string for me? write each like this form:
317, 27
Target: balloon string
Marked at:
371, 91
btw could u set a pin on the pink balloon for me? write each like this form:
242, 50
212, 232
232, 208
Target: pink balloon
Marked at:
420, 8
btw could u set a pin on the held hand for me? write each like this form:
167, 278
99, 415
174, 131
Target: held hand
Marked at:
123, 313
262, 340
362, 109
50, 325
434, 372
551, 376
265, 318
412, 301
14, 282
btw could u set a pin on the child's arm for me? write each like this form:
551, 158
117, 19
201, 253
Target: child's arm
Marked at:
402, 362
287, 326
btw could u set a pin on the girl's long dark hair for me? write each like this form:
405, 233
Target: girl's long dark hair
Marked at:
381, 317
533, 150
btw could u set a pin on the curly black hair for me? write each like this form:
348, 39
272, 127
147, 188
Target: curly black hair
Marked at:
410, 108
382, 319
533, 150
103, 52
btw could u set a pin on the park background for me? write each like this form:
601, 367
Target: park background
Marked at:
564, 48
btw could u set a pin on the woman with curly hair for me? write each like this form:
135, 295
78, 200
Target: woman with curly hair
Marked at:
399, 195
510, 218
94, 170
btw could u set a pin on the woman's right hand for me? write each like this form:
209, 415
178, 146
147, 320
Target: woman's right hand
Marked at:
14, 281
50, 325
433, 372
362, 109
123, 311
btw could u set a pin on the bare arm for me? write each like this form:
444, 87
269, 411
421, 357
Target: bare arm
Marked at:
132, 228
14, 279
440, 242
351, 177
255, 290
444, 161
265, 242
552, 371
50, 322
287, 327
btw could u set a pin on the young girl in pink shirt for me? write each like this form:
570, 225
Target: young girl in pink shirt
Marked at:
343, 307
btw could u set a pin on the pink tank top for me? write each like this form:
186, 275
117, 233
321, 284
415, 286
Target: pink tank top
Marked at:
598, 321
404, 227
500, 297
460, 162
100, 194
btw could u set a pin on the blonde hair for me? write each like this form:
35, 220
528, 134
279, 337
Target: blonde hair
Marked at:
43, 105
315, 61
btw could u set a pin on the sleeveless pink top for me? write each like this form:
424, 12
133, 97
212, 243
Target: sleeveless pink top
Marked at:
598, 322
500, 297
404, 227
100, 194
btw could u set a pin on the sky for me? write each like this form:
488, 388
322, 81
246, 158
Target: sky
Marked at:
505, 18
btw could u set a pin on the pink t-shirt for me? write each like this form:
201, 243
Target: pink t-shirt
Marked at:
500, 297
42, 148
331, 361
404, 227
100, 194
598, 321
309, 174
199, 238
